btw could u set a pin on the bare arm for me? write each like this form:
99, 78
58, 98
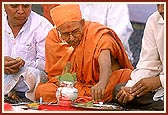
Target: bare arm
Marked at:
104, 61
105, 67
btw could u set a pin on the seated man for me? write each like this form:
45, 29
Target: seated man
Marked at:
145, 90
97, 55
24, 52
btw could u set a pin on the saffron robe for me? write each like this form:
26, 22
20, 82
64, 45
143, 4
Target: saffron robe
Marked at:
84, 60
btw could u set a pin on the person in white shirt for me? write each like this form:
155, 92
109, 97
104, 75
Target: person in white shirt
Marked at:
145, 90
23, 50
115, 16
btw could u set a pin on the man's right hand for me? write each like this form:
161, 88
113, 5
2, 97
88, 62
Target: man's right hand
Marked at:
12, 65
124, 95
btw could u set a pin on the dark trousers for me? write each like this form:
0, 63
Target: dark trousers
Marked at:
145, 102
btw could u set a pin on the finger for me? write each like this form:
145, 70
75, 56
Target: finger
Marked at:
13, 97
96, 94
125, 99
120, 99
118, 94
10, 71
142, 93
141, 89
136, 87
22, 63
6, 70
19, 58
102, 93
10, 94
16, 65
13, 71
99, 94
92, 93
10, 63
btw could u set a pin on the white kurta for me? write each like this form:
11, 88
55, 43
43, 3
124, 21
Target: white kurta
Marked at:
115, 16
29, 44
152, 61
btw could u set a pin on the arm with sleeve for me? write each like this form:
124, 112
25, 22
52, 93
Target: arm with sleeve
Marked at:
151, 60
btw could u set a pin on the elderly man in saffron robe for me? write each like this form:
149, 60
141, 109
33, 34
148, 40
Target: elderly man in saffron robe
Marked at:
97, 55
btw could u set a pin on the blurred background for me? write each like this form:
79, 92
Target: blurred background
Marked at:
139, 14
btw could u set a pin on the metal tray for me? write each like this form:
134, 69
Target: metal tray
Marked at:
98, 107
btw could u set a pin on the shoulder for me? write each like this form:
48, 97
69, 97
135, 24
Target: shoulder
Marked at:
95, 27
97, 30
155, 17
38, 23
37, 19
36, 15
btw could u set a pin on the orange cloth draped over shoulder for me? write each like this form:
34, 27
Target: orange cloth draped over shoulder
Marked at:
84, 60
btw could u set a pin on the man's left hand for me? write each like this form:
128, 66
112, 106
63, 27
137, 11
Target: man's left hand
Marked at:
145, 85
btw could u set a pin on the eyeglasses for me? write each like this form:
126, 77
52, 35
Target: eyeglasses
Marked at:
75, 33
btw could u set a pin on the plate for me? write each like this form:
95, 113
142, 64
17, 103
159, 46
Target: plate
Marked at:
104, 107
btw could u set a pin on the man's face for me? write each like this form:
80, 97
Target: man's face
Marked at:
17, 13
72, 32
160, 8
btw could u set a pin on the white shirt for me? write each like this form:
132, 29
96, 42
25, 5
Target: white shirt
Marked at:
152, 61
29, 44
115, 16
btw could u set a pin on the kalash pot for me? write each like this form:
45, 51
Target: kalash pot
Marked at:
66, 93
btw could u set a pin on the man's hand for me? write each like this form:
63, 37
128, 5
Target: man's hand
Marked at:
12, 65
97, 92
124, 96
145, 86
12, 94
